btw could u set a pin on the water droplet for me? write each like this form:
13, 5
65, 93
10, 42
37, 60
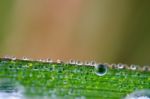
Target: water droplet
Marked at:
49, 60
79, 63
113, 66
59, 61
72, 62
13, 58
133, 67
87, 63
146, 68
41, 60
121, 66
101, 69
25, 58
93, 63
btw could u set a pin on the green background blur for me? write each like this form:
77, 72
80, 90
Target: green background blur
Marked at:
113, 31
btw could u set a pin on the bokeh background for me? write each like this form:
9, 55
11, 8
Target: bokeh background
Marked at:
113, 31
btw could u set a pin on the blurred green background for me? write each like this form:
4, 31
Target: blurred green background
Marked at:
113, 31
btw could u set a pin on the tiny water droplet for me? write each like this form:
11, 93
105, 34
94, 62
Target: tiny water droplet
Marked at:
79, 63
121, 66
72, 62
146, 68
25, 58
133, 67
113, 66
49, 60
93, 63
59, 61
87, 63
13, 58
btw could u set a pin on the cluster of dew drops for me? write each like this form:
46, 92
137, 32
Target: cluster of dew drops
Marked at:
100, 68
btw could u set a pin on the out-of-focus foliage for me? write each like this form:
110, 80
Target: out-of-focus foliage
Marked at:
5, 10
106, 31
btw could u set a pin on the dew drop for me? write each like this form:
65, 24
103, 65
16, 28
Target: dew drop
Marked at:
87, 63
59, 61
133, 67
25, 58
101, 69
146, 68
72, 61
49, 60
79, 63
93, 63
13, 58
121, 66
113, 66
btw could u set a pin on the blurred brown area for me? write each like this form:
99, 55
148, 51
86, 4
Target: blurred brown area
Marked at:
110, 31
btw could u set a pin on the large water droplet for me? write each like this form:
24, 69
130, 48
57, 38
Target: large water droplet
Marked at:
101, 69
